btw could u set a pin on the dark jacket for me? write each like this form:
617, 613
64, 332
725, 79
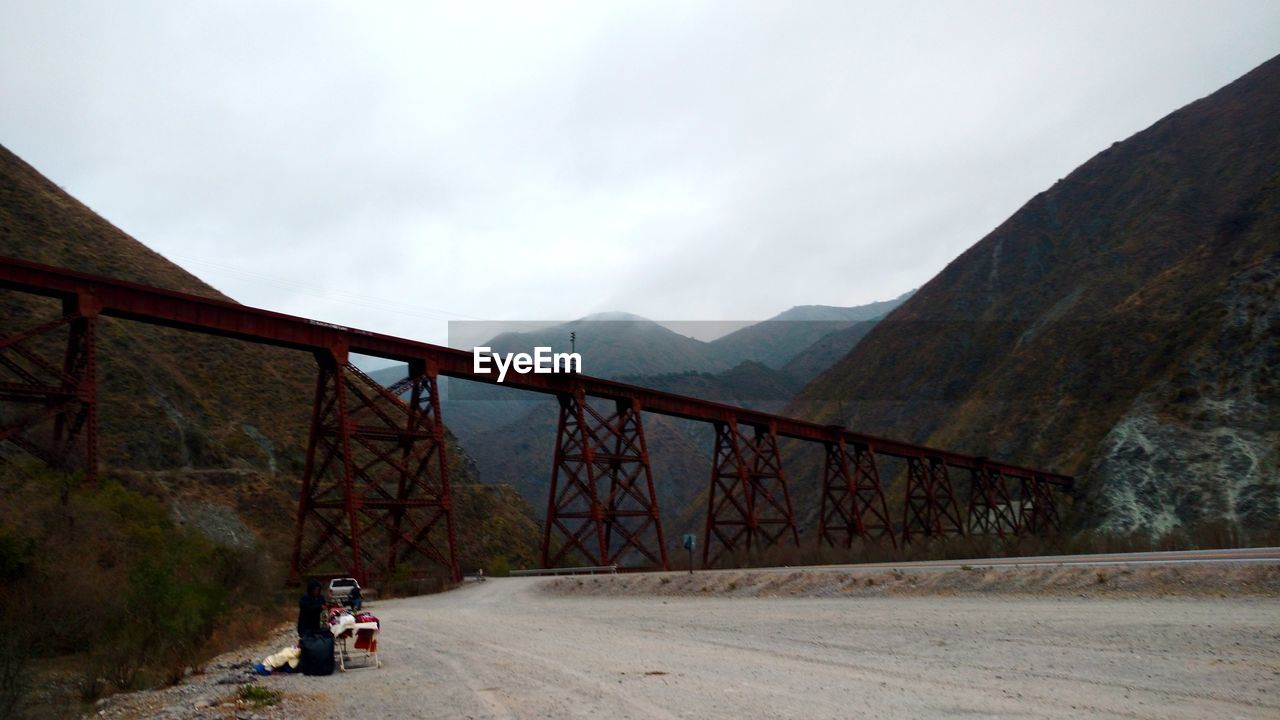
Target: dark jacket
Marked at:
310, 610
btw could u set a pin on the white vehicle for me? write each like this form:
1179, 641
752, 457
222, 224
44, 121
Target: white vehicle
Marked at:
340, 589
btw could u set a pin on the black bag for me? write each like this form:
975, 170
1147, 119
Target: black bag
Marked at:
317, 654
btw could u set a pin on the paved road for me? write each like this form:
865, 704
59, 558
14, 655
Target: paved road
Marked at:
503, 649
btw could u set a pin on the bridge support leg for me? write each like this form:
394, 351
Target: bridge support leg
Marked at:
1038, 513
375, 490
1048, 521
422, 517
631, 511
991, 508
55, 403
930, 509
594, 452
853, 503
748, 506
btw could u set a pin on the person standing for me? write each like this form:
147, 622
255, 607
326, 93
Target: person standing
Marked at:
310, 609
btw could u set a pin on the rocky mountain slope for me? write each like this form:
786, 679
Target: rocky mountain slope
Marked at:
157, 381
1121, 326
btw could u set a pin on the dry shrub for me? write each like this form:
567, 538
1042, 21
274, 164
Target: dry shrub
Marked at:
106, 569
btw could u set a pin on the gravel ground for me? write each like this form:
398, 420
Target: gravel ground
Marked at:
524, 648
509, 649
212, 693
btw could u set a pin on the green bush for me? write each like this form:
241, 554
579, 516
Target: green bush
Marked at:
115, 575
499, 566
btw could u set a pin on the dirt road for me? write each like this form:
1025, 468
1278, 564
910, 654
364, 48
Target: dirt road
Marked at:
504, 649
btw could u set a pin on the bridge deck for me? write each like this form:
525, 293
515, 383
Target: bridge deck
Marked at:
122, 299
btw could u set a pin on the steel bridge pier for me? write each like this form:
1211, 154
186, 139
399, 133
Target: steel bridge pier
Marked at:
375, 494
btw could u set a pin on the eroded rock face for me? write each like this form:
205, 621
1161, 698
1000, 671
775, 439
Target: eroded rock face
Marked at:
1204, 444
1119, 327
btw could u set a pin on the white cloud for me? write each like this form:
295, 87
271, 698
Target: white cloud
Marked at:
391, 165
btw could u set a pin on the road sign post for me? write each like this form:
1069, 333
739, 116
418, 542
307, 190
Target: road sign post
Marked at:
690, 541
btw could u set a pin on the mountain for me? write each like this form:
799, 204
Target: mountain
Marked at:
792, 333
512, 434
1121, 326
797, 343
202, 423
616, 344
749, 384
520, 453
620, 344
175, 399
827, 351
833, 313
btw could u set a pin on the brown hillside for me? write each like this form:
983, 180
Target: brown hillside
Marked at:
200, 422
170, 399
1121, 326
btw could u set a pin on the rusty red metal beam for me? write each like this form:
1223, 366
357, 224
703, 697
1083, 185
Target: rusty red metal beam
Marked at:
375, 490
602, 505
122, 299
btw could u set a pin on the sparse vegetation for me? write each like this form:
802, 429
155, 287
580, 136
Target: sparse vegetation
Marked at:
108, 570
259, 696
496, 530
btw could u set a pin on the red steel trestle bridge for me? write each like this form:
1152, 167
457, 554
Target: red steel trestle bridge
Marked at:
375, 490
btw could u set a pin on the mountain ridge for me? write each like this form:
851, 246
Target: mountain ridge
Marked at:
513, 434
1039, 339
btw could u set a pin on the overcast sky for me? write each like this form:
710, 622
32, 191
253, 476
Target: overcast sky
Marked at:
393, 166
